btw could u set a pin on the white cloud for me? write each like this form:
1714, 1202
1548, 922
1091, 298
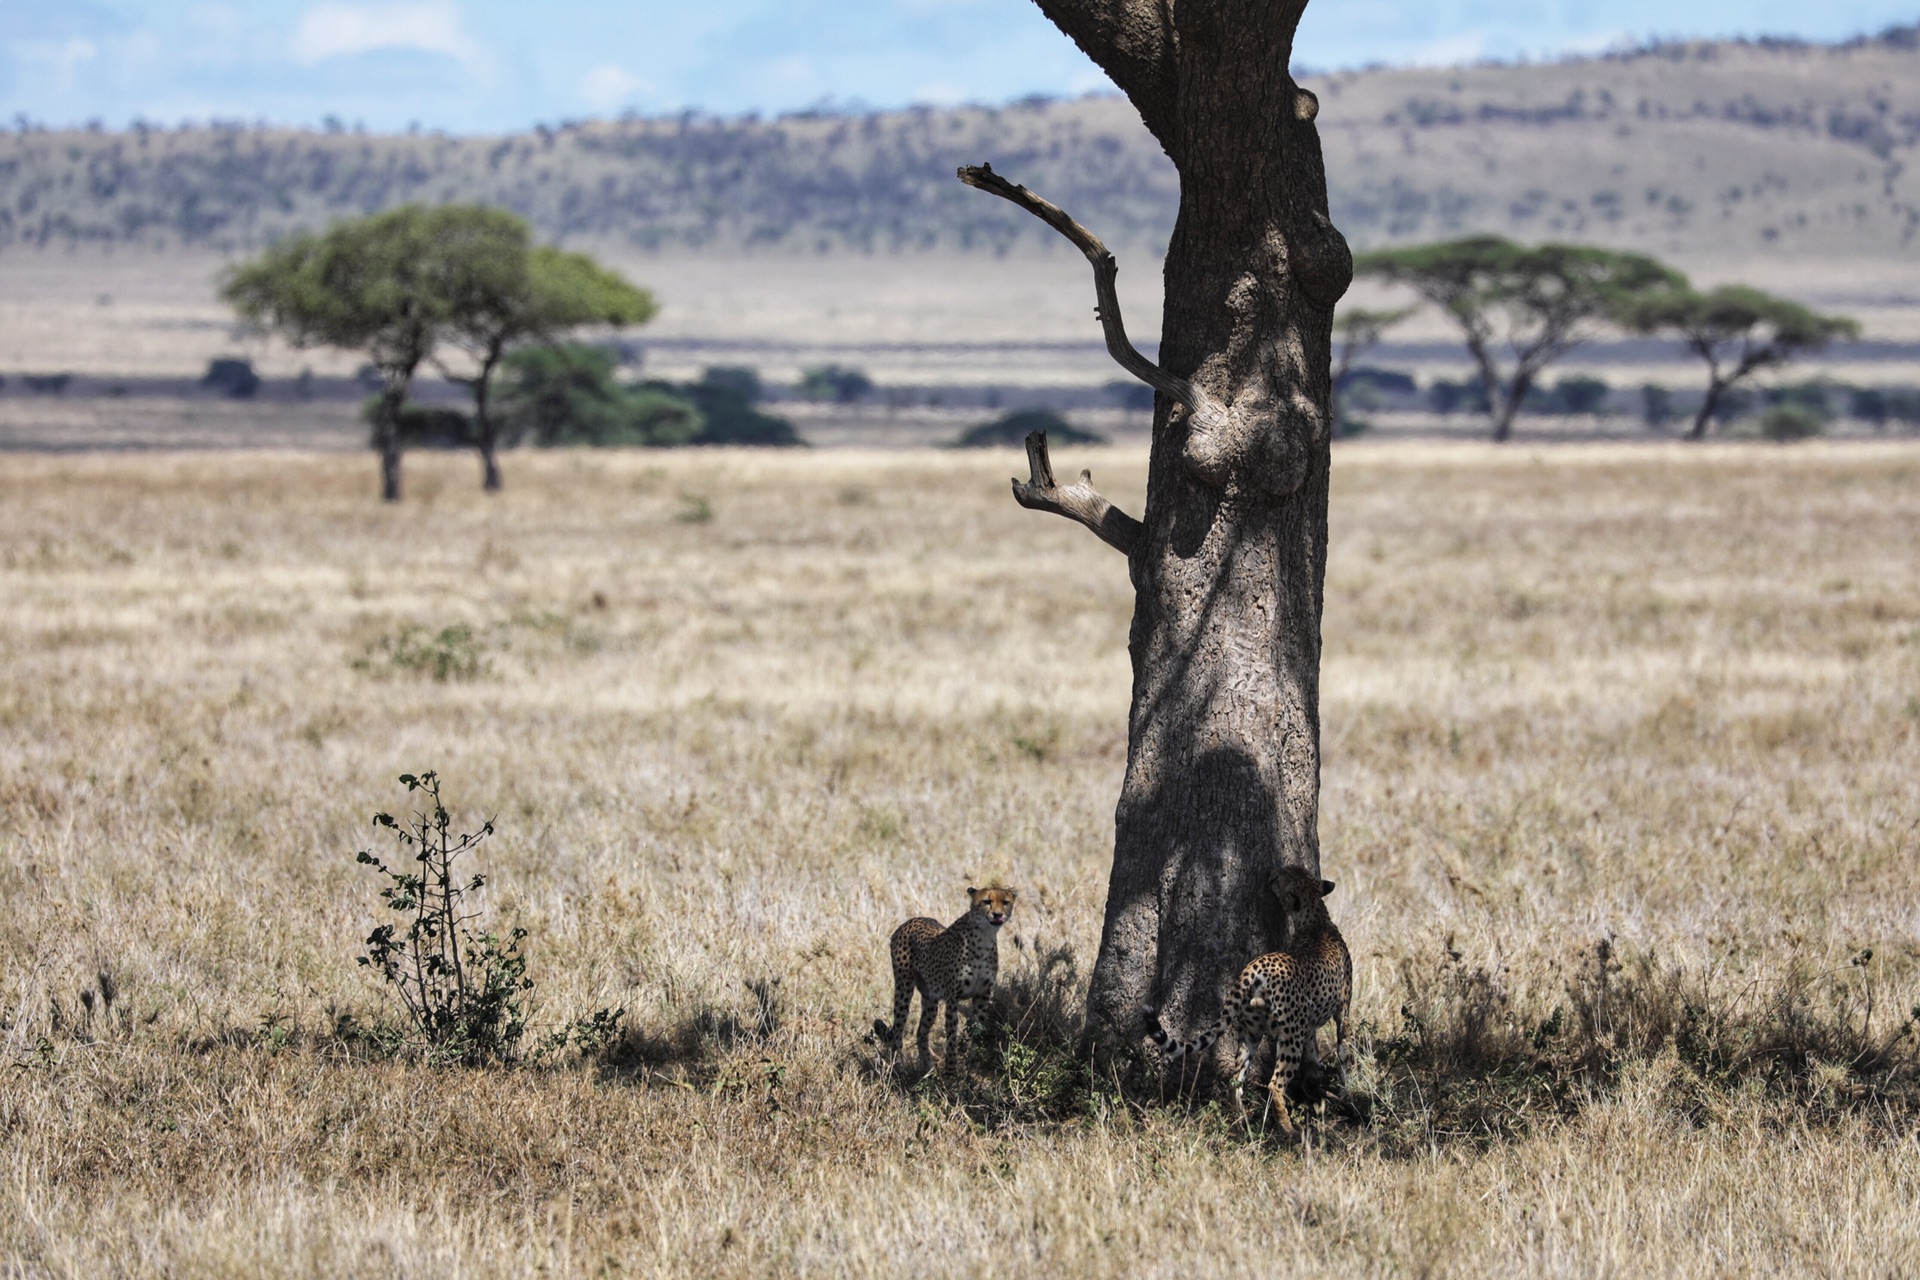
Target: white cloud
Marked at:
609, 86
1451, 50
61, 57
344, 30
1596, 42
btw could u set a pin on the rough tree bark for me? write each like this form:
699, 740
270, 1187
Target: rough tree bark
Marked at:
1223, 757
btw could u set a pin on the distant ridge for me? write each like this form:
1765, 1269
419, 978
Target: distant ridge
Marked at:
1773, 146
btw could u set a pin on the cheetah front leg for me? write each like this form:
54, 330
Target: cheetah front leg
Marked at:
982, 1013
951, 1068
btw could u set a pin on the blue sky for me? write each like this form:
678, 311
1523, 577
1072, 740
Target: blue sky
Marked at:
475, 66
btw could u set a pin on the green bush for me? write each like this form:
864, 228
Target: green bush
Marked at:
1469, 396
451, 653
725, 399
422, 426
834, 382
1656, 405
463, 991
1784, 422
1577, 394
1012, 429
567, 394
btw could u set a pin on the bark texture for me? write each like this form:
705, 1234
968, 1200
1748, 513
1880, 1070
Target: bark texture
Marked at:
1223, 763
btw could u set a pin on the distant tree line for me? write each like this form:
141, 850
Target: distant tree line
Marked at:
1519, 309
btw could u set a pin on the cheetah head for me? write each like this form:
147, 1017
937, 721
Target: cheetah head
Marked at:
994, 902
1299, 893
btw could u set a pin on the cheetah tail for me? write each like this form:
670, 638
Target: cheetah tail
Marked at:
1180, 1048
883, 1032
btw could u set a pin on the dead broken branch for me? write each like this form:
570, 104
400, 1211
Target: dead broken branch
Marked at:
1105, 269
1079, 501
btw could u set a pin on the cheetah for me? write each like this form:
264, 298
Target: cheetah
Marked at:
947, 965
1285, 996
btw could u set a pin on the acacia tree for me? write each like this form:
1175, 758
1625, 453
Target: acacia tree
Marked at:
1737, 331
373, 284
1223, 753
1543, 301
508, 293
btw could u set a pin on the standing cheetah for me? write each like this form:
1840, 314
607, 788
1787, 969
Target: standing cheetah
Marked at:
947, 965
1284, 996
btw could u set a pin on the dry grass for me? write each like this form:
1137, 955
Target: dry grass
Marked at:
1665, 697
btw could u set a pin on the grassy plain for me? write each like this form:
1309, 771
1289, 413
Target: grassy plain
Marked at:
738, 715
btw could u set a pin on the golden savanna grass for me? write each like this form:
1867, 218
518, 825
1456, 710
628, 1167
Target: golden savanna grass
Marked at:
738, 715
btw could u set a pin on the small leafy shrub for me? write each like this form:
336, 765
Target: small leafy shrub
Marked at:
1391, 382
1656, 405
598, 1035
1788, 422
464, 993
725, 398
1575, 395
451, 653
569, 394
1012, 429
422, 426
232, 377
743, 380
834, 382
1469, 396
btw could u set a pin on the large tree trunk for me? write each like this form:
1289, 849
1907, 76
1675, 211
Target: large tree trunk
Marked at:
1702, 419
483, 424
386, 436
1223, 759
1501, 407
1506, 406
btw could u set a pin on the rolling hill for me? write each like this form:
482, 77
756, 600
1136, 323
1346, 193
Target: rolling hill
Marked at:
1715, 149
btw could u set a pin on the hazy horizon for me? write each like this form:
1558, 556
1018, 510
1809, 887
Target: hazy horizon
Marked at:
484, 66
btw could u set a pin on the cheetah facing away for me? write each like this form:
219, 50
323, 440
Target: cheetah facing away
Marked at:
1284, 996
946, 965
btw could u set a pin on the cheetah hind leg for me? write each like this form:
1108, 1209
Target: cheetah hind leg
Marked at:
1286, 1062
929, 1009
1342, 1056
895, 1036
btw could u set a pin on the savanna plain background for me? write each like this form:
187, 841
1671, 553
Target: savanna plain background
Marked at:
1621, 788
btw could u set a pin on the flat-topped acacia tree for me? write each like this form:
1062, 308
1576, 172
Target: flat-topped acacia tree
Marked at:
1223, 753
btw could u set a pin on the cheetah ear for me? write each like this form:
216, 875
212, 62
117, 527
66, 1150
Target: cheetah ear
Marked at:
1012, 894
972, 892
1326, 887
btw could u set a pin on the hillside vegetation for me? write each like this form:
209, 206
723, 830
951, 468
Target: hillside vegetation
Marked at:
1728, 148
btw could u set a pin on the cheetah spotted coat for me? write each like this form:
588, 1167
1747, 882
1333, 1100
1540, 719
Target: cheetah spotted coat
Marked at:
1284, 996
946, 965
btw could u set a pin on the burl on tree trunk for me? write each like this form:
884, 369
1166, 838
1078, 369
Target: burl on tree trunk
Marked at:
1223, 746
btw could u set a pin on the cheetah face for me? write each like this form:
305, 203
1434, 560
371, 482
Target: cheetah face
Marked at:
994, 902
1296, 890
